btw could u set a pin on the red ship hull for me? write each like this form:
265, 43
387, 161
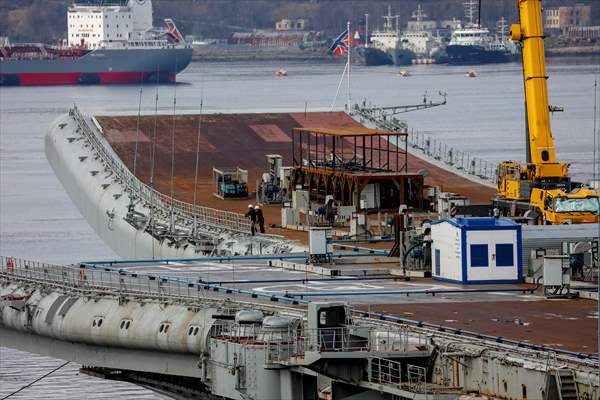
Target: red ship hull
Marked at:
75, 78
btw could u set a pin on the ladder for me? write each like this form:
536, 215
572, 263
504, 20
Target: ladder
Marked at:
565, 383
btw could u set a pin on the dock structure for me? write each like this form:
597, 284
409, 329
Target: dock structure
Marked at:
237, 140
344, 162
241, 140
156, 323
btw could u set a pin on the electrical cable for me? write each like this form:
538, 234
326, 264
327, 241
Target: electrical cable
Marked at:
36, 381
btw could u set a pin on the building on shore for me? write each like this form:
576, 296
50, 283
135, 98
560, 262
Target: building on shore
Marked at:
583, 32
560, 18
285, 24
285, 38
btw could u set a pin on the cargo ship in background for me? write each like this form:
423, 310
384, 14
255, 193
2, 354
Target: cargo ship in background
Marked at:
108, 42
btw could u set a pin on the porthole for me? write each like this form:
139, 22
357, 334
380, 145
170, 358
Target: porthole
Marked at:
127, 324
99, 322
190, 331
122, 324
167, 328
94, 323
195, 331
162, 327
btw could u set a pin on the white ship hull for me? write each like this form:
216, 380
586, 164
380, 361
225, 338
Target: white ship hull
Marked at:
103, 201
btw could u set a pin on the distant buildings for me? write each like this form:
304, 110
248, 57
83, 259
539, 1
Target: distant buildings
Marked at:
266, 38
431, 25
291, 25
563, 17
572, 22
287, 33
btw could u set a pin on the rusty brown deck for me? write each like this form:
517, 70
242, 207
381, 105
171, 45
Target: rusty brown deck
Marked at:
230, 140
563, 324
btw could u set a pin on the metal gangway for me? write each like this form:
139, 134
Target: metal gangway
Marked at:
431, 148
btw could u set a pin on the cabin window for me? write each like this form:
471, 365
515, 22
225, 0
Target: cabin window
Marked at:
479, 255
332, 317
504, 255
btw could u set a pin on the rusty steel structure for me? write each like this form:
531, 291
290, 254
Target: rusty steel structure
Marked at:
341, 162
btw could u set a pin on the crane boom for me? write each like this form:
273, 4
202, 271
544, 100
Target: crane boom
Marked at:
529, 32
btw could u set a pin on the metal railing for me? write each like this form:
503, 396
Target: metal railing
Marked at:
98, 280
205, 215
390, 372
384, 371
298, 341
456, 159
460, 161
103, 280
283, 344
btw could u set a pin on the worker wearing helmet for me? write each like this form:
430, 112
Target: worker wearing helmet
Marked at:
252, 215
260, 218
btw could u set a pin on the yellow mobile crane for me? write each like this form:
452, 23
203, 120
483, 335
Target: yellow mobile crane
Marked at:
541, 189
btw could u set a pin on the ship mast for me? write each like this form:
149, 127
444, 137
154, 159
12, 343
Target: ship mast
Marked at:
388, 24
419, 15
470, 12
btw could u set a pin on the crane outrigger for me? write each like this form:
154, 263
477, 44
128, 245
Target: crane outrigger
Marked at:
541, 189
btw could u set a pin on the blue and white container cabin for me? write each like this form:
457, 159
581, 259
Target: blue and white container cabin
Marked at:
476, 250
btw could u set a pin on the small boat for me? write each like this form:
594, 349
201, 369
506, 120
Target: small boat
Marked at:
281, 72
404, 73
471, 74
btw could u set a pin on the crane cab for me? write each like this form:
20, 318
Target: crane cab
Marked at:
512, 181
556, 206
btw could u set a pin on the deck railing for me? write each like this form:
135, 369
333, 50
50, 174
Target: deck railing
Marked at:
98, 280
104, 280
454, 159
158, 201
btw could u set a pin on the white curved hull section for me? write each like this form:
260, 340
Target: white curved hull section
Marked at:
103, 201
79, 323
93, 201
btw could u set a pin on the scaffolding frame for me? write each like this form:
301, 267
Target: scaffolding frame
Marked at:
342, 162
370, 150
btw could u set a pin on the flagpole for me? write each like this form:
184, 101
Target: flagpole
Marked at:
348, 63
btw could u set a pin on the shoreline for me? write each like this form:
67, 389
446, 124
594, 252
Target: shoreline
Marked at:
223, 54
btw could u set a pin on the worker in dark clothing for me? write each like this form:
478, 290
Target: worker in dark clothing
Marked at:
252, 215
260, 218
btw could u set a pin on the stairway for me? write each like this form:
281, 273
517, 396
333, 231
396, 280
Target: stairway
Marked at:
565, 383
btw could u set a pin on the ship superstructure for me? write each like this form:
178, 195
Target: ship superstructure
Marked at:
474, 44
420, 41
389, 40
107, 42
